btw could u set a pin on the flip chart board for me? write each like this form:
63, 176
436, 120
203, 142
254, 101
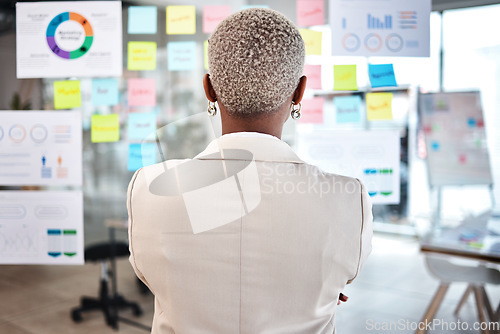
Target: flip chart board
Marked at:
455, 137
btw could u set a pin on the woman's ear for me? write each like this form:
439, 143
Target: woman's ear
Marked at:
299, 91
209, 89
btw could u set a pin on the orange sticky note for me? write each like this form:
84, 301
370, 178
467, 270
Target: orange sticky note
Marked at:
344, 77
312, 40
212, 15
181, 20
312, 110
379, 106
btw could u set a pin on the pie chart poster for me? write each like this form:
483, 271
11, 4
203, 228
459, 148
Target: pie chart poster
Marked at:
63, 39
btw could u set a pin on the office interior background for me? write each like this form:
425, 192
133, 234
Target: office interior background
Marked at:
396, 285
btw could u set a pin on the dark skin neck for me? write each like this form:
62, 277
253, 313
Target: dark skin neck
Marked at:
269, 123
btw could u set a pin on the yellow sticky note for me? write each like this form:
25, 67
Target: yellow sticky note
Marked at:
205, 54
379, 106
104, 128
344, 77
141, 56
67, 94
181, 20
312, 40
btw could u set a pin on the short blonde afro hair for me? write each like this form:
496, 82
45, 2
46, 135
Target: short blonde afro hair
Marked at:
255, 58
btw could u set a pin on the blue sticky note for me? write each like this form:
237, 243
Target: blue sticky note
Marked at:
348, 109
141, 155
104, 92
435, 145
471, 122
181, 56
141, 125
142, 19
382, 75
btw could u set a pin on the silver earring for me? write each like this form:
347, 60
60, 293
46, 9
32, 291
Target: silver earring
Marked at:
296, 111
212, 109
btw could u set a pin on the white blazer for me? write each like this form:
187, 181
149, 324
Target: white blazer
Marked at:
246, 238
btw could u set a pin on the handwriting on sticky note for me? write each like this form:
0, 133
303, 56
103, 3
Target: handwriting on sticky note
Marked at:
310, 12
67, 94
105, 128
379, 106
141, 92
312, 41
344, 77
141, 126
212, 15
382, 75
181, 20
141, 56
313, 74
140, 155
348, 109
312, 110
104, 92
181, 56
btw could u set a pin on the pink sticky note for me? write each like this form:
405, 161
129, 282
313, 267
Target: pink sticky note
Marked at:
313, 74
312, 110
310, 12
141, 92
212, 15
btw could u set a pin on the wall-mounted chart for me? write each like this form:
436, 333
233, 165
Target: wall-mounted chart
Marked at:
62, 39
371, 156
41, 148
380, 28
41, 227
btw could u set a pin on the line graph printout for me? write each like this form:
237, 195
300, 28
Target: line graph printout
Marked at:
380, 28
40, 148
371, 156
41, 227
63, 39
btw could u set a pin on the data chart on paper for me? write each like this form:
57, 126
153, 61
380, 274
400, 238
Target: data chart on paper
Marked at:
40, 148
380, 27
371, 156
69, 38
41, 227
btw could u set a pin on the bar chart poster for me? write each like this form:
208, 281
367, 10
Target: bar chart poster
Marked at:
41, 227
371, 156
63, 39
40, 148
389, 28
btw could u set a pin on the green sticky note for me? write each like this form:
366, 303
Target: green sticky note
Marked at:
205, 54
105, 128
344, 77
141, 56
379, 106
67, 94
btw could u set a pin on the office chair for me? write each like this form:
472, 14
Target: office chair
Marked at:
106, 303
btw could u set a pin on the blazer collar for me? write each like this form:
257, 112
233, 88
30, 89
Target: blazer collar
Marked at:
262, 149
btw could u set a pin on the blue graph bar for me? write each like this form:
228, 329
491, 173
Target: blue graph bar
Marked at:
376, 23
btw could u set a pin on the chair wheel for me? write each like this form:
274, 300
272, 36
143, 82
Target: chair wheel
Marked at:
76, 316
136, 311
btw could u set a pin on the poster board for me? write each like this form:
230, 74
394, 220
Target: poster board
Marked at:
455, 138
41, 227
68, 38
389, 28
40, 148
371, 156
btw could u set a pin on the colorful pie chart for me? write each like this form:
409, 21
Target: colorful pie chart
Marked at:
51, 33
